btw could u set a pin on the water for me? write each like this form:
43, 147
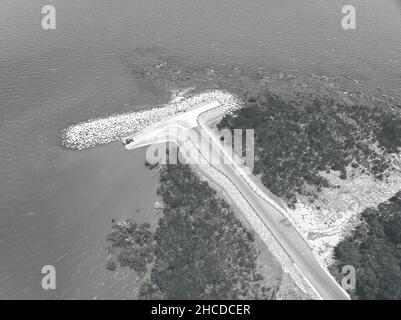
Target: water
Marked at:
56, 205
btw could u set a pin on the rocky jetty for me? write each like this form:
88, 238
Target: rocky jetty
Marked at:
105, 130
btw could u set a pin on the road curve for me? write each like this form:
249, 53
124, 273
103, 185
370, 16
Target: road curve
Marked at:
269, 212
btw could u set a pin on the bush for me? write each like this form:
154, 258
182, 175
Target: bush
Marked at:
111, 265
135, 244
201, 250
374, 249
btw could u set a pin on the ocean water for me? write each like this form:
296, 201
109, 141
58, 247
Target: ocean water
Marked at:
56, 205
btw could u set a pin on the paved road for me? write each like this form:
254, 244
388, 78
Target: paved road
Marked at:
270, 214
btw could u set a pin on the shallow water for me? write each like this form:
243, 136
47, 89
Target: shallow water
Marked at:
56, 205
60, 215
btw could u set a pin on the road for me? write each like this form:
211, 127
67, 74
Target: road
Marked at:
269, 212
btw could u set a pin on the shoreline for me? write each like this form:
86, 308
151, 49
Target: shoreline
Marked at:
290, 87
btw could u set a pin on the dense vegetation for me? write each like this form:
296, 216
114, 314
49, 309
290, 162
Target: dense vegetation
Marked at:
200, 249
134, 245
293, 142
374, 249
